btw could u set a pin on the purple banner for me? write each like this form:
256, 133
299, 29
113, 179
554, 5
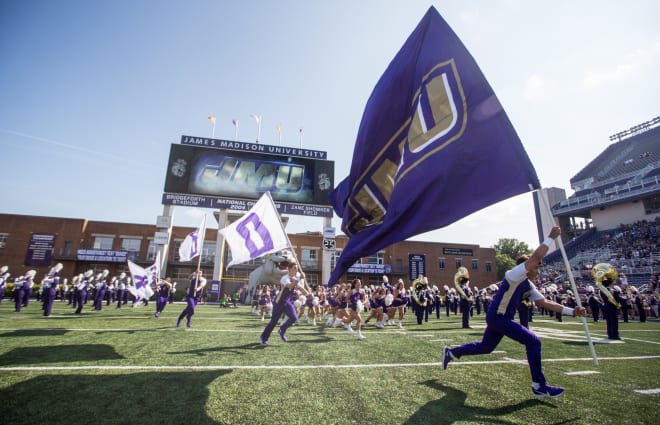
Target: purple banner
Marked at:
253, 147
243, 205
105, 255
417, 264
40, 249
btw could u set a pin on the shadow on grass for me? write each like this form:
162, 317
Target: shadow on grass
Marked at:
145, 398
34, 332
59, 354
452, 408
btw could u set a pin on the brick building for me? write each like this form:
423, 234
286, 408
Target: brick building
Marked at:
36, 242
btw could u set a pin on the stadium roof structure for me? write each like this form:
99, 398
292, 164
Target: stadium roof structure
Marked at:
626, 170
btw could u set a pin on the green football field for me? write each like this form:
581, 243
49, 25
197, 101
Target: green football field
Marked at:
127, 367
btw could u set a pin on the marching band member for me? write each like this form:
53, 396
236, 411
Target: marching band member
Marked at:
4, 276
419, 298
594, 303
447, 299
121, 289
22, 288
462, 284
500, 315
605, 275
639, 301
50, 285
101, 289
83, 286
64, 289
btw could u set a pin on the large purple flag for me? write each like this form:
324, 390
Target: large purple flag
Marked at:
434, 146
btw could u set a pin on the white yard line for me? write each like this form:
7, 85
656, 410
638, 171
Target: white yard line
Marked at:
346, 366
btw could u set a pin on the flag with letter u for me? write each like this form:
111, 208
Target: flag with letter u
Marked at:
257, 233
193, 243
434, 145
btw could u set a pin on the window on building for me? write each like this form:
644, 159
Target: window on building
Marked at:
3, 239
475, 264
459, 262
489, 266
377, 258
312, 279
130, 244
152, 251
375, 280
334, 258
442, 263
67, 249
398, 265
309, 258
208, 253
103, 242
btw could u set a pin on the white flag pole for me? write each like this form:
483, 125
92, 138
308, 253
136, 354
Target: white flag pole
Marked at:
201, 248
560, 244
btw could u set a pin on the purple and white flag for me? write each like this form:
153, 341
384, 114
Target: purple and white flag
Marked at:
193, 243
434, 146
143, 278
257, 233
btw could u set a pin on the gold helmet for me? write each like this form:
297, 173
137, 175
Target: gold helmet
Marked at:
604, 273
462, 275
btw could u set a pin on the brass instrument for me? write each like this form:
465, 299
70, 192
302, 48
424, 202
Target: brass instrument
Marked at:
605, 274
462, 277
418, 285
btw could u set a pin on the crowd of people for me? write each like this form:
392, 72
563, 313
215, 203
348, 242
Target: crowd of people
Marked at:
97, 290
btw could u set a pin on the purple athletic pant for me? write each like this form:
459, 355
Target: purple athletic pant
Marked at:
499, 326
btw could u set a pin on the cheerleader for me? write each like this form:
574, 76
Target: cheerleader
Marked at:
336, 311
265, 302
377, 302
164, 288
355, 306
399, 303
314, 304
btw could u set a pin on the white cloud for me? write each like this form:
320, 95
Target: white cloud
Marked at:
628, 67
537, 88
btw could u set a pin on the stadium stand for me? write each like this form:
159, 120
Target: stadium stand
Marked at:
616, 200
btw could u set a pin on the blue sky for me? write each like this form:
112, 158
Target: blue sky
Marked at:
94, 92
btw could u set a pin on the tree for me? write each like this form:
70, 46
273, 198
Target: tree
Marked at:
507, 251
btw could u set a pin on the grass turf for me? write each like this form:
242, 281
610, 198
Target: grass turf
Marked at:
125, 366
